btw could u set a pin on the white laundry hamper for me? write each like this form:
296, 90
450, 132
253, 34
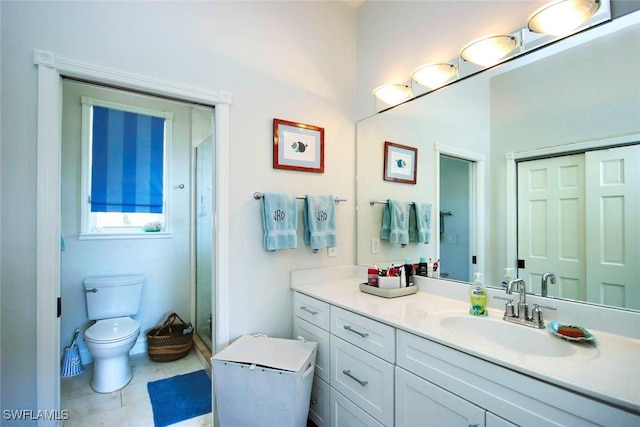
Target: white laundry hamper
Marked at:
262, 381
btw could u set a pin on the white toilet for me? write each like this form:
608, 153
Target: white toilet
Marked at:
110, 300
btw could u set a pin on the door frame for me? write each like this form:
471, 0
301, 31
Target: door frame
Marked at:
513, 158
477, 202
51, 69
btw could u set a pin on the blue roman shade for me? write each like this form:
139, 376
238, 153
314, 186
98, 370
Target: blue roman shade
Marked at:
127, 161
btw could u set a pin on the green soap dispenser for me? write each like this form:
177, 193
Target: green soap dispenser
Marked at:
478, 297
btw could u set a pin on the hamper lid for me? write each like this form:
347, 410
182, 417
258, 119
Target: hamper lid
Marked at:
278, 353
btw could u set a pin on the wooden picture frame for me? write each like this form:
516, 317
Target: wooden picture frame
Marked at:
400, 163
298, 146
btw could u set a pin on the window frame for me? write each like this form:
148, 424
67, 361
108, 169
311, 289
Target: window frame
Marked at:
88, 228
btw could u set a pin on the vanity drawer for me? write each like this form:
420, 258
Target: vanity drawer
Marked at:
310, 332
345, 414
370, 335
312, 310
363, 378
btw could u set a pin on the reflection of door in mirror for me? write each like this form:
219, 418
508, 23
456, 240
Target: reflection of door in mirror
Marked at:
456, 180
576, 214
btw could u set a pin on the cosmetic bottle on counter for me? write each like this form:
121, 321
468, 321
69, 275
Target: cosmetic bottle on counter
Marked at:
430, 268
422, 267
372, 276
408, 272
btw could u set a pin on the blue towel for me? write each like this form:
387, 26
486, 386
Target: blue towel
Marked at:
413, 224
319, 216
423, 219
280, 221
385, 229
399, 222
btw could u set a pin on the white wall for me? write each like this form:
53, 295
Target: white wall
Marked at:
394, 37
290, 60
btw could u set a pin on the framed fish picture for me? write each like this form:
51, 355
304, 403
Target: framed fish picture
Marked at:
298, 146
400, 163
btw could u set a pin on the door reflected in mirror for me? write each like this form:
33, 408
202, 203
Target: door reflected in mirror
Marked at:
456, 182
576, 216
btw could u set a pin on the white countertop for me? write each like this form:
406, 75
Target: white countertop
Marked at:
605, 369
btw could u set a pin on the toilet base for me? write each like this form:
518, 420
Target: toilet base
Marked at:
111, 374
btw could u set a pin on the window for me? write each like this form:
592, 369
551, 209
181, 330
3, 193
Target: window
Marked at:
125, 169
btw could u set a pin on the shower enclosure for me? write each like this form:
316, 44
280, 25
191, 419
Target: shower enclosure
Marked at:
203, 222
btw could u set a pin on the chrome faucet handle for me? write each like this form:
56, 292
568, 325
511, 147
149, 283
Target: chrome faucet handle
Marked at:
536, 314
509, 310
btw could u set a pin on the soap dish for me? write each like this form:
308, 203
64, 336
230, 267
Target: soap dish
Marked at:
388, 293
554, 327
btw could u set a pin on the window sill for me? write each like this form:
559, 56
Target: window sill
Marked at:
116, 236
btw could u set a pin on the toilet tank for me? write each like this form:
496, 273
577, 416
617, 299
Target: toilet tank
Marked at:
113, 296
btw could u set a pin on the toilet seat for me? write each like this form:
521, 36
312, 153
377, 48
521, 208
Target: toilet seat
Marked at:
112, 330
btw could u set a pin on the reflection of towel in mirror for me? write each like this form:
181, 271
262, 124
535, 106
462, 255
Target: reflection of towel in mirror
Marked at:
423, 219
280, 221
319, 216
413, 224
398, 222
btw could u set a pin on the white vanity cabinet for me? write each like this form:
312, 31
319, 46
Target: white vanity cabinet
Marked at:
421, 403
375, 373
353, 383
506, 396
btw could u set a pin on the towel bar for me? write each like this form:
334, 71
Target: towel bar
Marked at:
258, 195
383, 202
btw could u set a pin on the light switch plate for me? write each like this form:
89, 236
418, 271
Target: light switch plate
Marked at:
332, 251
375, 245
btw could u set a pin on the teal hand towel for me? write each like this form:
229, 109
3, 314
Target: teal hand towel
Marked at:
385, 229
319, 217
280, 221
423, 219
399, 222
413, 223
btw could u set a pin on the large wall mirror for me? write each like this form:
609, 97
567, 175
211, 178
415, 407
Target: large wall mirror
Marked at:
545, 148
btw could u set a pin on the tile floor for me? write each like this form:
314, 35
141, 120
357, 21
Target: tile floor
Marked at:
129, 406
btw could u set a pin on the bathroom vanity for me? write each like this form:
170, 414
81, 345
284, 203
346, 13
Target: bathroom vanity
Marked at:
423, 360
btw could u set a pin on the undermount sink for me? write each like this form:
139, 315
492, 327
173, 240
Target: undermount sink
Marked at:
516, 338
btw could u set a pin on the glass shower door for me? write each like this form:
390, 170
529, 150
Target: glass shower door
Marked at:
204, 240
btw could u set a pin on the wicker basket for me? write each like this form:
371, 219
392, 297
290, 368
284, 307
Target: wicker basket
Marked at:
171, 341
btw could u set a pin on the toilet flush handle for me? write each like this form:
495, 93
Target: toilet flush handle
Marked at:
94, 290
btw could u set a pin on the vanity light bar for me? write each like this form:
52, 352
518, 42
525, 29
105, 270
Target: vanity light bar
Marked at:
258, 195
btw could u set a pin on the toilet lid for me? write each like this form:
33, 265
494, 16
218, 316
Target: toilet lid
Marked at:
112, 329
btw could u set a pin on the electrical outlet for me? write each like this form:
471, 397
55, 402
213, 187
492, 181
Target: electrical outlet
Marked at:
332, 251
375, 245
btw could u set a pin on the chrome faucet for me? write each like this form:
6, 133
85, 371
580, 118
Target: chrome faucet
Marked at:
547, 277
521, 315
521, 288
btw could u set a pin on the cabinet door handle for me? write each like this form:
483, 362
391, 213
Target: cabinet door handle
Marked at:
314, 401
473, 425
350, 329
311, 312
347, 372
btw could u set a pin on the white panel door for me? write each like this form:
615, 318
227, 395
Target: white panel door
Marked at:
613, 219
551, 224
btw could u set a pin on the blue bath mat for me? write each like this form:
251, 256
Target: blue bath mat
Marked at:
179, 398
